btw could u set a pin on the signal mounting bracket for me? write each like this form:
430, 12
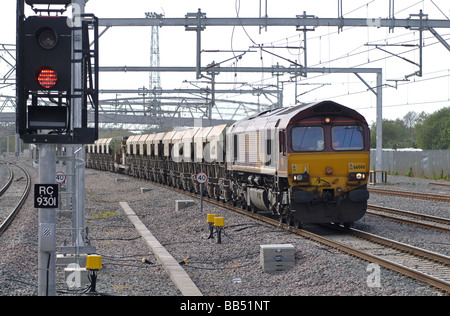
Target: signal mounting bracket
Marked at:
48, 10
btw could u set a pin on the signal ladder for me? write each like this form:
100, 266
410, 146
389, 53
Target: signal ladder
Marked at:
71, 204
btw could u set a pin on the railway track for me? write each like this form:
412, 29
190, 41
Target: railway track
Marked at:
424, 196
8, 181
425, 221
440, 184
13, 194
429, 267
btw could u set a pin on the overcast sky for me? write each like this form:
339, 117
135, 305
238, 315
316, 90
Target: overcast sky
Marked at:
130, 46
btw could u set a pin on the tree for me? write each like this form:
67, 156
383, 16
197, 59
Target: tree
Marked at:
395, 135
434, 131
410, 120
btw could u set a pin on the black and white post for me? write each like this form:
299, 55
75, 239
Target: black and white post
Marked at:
47, 221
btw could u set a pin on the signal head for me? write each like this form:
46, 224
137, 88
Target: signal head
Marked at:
47, 38
47, 77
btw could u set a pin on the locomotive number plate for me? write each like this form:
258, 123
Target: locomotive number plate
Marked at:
357, 166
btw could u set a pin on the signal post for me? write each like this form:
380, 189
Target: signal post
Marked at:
47, 225
56, 82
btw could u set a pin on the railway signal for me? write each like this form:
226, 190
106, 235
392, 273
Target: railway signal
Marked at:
44, 75
56, 82
47, 55
52, 107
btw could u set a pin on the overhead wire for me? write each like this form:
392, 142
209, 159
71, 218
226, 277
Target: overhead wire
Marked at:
337, 31
372, 61
400, 84
352, 53
440, 9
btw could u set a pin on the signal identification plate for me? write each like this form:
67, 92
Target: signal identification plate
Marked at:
46, 196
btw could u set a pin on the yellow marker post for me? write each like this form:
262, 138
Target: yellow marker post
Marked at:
219, 223
210, 220
93, 264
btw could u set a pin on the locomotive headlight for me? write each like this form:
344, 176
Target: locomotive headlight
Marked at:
327, 120
303, 177
357, 176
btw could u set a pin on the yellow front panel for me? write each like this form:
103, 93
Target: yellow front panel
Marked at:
93, 262
210, 218
316, 165
219, 221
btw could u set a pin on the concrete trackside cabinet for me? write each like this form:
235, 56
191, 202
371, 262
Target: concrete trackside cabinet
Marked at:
276, 257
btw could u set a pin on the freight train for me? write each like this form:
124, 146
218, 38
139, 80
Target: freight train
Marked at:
305, 164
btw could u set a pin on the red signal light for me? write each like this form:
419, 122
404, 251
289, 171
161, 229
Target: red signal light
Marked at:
47, 77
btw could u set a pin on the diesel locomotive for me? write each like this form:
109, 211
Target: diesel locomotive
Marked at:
305, 164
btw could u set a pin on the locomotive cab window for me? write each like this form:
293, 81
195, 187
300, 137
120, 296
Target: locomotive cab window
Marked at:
308, 138
347, 137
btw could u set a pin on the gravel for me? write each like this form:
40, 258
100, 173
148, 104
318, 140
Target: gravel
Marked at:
419, 237
230, 268
3, 175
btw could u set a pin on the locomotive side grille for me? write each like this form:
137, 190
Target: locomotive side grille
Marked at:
253, 148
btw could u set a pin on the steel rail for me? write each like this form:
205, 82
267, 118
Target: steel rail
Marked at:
374, 210
431, 256
10, 179
440, 184
424, 196
5, 224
